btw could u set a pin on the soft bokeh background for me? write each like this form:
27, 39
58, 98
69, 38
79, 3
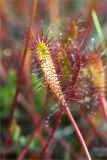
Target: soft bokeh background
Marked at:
14, 20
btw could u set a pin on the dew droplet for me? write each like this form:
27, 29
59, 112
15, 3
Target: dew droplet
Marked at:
47, 125
61, 34
50, 114
95, 113
88, 107
48, 117
93, 40
46, 121
63, 113
7, 52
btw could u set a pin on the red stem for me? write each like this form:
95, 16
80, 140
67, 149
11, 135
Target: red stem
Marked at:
18, 82
43, 142
86, 152
104, 104
29, 108
25, 149
37, 123
52, 134
97, 133
76, 130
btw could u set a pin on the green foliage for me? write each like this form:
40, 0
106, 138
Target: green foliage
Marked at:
15, 130
7, 92
39, 91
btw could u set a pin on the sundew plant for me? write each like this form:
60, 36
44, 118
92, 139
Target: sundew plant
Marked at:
53, 79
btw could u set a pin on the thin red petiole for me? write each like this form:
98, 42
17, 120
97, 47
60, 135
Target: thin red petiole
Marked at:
75, 128
103, 104
52, 134
67, 111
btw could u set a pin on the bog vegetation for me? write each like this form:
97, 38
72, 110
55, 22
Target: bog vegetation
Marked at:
53, 68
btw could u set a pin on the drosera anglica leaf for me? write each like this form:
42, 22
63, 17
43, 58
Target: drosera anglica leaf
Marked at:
70, 34
64, 63
48, 69
43, 52
96, 69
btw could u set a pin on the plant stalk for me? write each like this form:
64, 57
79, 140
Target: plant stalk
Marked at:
67, 111
34, 5
104, 104
52, 134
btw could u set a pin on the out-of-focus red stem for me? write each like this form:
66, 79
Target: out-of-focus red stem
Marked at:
34, 5
52, 134
67, 111
70, 150
29, 108
98, 134
103, 104
43, 142
24, 151
65, 144
35, 118
37, 126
